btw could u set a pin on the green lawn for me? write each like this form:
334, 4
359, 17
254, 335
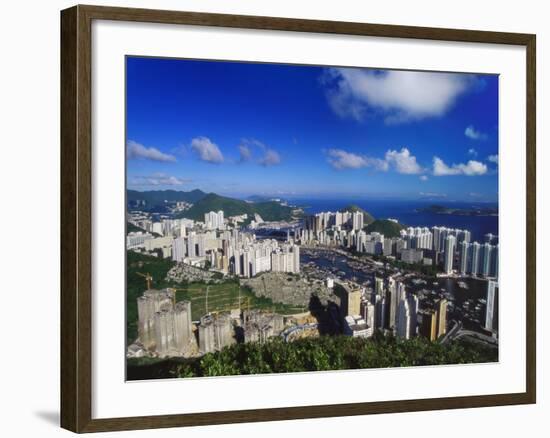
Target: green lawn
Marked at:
225, 296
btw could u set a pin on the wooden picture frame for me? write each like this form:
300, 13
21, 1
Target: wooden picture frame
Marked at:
76, 217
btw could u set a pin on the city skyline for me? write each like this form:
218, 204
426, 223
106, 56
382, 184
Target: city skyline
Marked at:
390, 287
242, 129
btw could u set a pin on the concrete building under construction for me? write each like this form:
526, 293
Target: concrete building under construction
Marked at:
165, 329
215, 332
151, 302
260, 326
174, 331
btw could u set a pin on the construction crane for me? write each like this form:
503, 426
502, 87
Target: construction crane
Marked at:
242, 298
175, 289
148, 279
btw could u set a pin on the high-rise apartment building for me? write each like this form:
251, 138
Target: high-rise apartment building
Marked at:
429, 325
491, 311
441, 312
450, 244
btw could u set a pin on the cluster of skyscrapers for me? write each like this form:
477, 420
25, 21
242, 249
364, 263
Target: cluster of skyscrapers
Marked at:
157, 236
225, 249
479, 259
214, 220
165, 327
388, 308
164, 227
326, 220
450, 248
236, 252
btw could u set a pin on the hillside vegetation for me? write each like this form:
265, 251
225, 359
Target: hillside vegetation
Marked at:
315, 354
386, 227
155, 198
269, 210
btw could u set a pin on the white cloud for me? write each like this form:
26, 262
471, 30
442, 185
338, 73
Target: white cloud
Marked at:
207, 150
401, 96
157, 179
423, 178
403, 161
471, 168
245, 154
474, 134
472, 152
136, 150
340, 159
270, 158
493, 158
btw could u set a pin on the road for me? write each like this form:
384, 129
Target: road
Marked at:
295, 328
477, 336
458, 332
452, 332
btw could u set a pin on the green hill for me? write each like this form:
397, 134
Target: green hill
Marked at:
131, 228
352, 208
269, 210
385, 227
156, 198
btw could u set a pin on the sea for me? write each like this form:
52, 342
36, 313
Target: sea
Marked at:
406, 212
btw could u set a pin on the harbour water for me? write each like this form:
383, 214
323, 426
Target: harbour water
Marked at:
406, 212
466, 296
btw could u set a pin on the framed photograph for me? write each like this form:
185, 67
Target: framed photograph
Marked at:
269, 218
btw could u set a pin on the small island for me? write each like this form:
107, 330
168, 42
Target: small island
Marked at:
474, 211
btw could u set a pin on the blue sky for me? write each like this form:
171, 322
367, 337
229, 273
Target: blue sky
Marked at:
241, 129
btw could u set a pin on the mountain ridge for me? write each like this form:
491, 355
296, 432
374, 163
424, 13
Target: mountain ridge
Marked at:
154, 198
268, 210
